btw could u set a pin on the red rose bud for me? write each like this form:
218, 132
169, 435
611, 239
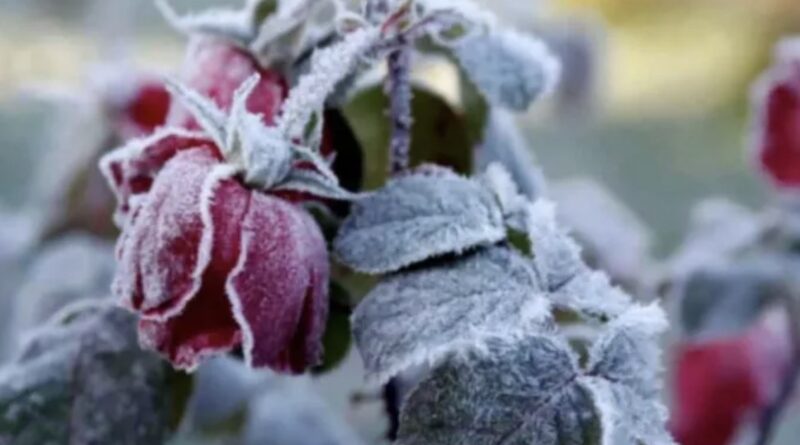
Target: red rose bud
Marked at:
776, 142
722, 384
139, 109
211, 256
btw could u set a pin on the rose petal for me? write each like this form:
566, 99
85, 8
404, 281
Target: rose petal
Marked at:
168, 245
206, 324
131, 170
144, 110
215, 69
777, 141
205, 327
279, 287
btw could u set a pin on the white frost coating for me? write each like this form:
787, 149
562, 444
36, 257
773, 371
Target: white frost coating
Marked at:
418, 217
248, 339
498, 180
218, 174
557, 257
626, 417
510, 68
592, 293
210, 117
238, 112
418, 317
131, 152
329, 66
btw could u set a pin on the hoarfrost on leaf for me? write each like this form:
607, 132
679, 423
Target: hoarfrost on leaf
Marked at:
569, 282
511, 69
418, 217
522, 392
329, 66
628, 353
83, 379
53, 281
416, 317
623, 374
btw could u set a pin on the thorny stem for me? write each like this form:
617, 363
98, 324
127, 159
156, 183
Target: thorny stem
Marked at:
398, 89
771, 415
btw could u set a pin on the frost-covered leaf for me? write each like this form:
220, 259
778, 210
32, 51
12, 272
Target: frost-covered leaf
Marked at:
720, 300
522, 393
419, 316
511, 69
627, 353
503, 142
497, 179
623, 373
570, 283
53, 281
532, 391
557, 256
418, 217
84, 380
209, 116
628, 418
329, 66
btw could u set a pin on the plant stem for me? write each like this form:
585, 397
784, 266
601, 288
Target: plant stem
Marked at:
771, 414
398, 89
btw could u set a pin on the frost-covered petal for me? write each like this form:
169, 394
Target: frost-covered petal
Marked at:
279, 288
206, 324
418, 217
511, 69
131, 169
165, 250
416, 317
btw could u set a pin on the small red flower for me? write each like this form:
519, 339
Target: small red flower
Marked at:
722, 384
211, 257
777, 133
141, 109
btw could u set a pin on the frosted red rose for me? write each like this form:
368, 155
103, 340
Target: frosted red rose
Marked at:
777, 137
210, 256
721, 384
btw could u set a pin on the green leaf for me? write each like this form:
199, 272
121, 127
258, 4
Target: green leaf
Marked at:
440, 134
337, 339
87, 382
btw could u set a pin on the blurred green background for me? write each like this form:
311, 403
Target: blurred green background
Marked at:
656, 106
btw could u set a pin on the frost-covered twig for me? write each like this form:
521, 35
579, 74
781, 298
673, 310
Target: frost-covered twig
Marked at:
398, 89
